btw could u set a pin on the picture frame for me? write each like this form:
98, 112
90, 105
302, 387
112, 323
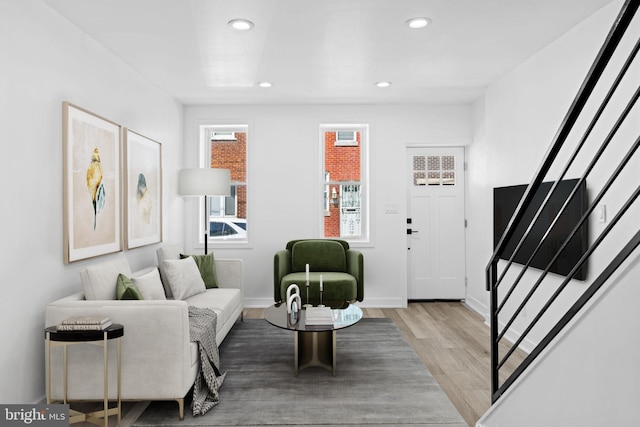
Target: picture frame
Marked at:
143, 190
91, 177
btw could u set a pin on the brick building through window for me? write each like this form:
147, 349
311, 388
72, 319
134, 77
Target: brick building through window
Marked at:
231, 153
342, 193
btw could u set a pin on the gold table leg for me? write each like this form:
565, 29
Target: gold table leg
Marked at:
100, 417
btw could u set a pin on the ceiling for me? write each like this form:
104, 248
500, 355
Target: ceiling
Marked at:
324, 51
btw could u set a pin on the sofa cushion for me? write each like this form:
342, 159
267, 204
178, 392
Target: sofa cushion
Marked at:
321, 255
207, 266
221, 300
337, 286
99, 280
183, 277
126, 289
163, 253
150, 285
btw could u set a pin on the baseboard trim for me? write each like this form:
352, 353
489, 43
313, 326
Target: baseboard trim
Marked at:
367, 303
512, 335
478, 306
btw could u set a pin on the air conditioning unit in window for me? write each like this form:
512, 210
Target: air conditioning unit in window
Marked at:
346, 137
223, 136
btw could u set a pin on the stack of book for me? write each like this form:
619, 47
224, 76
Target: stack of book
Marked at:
319, 316
85, 323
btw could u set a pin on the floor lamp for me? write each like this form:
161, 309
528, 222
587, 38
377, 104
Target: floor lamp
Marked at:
204, 182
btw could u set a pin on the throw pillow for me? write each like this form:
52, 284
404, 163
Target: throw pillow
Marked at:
184, 277
125, 289
98, 279
150, 285
207, 266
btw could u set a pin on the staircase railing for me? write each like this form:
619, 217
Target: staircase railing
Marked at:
606, 80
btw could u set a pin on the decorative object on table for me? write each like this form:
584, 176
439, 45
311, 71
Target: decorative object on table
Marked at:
293, 318
294, 304
91, 190
293, 297
307, 304
319, 316
321, 291
85, 323
205, 182
143, 190
307, 285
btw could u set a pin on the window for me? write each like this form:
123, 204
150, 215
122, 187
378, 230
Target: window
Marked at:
434, 170
223, 136
345, 181
225, 206
225, 146
346, 138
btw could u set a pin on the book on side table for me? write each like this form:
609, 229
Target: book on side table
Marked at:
85, 323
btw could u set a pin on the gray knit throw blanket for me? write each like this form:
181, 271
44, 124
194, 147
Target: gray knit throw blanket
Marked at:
202, 330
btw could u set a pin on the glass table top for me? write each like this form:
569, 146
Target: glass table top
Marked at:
347, 315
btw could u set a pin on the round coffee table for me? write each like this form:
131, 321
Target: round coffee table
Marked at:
314, 345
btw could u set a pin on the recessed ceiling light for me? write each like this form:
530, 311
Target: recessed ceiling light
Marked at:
265, 84
241, 24
383, 84
418, 22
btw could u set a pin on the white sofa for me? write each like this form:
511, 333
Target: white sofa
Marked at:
158, 360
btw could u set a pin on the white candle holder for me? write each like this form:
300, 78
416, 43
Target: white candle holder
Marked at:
307, 304
321, 292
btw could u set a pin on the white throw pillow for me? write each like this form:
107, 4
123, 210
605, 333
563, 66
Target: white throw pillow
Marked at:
150, 285
99, 280
184, 277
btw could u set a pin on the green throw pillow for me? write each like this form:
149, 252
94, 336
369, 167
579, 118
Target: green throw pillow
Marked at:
207, 266
125, 289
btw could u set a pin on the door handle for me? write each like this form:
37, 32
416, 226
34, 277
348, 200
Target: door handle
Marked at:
410, 231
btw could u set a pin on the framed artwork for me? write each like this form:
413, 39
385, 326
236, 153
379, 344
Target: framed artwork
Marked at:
91, 196
143, 190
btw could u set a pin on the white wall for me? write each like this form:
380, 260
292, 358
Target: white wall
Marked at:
284, 188
46, 60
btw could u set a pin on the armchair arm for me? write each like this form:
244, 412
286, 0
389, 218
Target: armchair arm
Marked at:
281, 267
355, 267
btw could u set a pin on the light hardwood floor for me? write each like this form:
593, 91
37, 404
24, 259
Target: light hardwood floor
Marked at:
451, 340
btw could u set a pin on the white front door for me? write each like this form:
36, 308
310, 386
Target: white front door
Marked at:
436, 232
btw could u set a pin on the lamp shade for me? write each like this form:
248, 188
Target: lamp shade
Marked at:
204, 182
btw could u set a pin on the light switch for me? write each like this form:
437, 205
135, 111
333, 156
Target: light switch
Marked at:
601, 213
391, 209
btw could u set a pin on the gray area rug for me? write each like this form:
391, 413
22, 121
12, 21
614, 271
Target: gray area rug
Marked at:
379, 381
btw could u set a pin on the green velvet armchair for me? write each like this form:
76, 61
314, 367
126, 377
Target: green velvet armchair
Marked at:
342, 271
